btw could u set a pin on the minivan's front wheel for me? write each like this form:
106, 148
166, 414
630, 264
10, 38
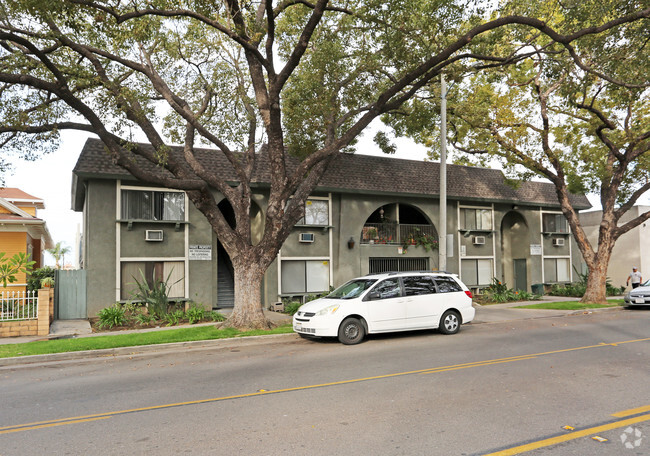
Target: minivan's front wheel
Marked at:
351, 331
450, 322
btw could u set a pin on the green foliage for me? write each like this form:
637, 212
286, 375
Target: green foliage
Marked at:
195, 313
58, 252
47, 282
174, 318
34, 280
498, 292
112, 316
138, 314
292, 307
417, 238
12, 266
217, 316
155, 296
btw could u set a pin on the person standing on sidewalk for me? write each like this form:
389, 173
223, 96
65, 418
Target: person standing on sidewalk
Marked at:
635, 275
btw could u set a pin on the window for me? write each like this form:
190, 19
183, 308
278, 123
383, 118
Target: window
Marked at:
316, 213
171, 272
388, 288
152, 205
554, 223
415, 286
311, 276
447, 285
476, 219
556, 270
476, 272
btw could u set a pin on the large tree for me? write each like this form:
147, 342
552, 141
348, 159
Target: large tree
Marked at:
583, 124
303, 78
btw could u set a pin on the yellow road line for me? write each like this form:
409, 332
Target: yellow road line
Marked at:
635, 411
78, 419
572, 436
52, 424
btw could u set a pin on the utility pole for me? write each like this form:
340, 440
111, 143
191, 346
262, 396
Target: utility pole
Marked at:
442, 231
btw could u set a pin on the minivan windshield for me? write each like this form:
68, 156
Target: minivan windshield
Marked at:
352, 289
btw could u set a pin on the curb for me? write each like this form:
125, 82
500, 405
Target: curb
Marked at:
139, 350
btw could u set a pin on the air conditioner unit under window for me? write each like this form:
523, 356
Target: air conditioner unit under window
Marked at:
153, 235
306, 237
479, 240
558, 242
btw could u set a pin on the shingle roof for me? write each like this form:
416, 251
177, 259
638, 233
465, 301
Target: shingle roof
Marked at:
16, 195
364, 174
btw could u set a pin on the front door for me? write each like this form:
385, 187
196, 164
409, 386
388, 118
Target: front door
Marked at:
520, 274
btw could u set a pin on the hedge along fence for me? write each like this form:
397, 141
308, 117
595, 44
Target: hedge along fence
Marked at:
26, 315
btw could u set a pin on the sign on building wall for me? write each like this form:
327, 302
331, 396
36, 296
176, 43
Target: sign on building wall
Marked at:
535, 249
200, 252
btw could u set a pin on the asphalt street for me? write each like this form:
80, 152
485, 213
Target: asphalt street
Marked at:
492, 387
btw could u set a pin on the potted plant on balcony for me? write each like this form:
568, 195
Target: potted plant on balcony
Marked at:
371, 235
47, 282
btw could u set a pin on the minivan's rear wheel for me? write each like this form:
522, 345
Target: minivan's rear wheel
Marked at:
351, 331
450, 322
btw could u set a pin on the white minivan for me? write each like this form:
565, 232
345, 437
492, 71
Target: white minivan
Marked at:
393, 301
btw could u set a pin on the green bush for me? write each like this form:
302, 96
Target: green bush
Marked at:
154, 296
195, 313
498, 292
110, 317
292, 307
34, 280
174, 318
217, 316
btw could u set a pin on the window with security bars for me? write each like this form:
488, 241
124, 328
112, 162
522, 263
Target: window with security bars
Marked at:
379, 265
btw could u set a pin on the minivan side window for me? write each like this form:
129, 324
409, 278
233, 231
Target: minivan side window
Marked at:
418, 285
447, 285
388, 288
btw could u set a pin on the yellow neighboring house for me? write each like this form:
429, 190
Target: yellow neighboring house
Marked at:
22, 231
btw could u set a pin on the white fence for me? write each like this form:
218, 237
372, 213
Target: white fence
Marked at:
18, 305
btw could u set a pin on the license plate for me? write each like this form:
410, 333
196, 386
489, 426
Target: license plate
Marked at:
639, 300
298, 327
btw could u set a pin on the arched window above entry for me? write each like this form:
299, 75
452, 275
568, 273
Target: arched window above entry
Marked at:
400, 224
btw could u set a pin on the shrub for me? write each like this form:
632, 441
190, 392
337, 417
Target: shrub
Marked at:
217, 316
195, 313
34, 280
175, 317
155, 296
114, 315
292, 307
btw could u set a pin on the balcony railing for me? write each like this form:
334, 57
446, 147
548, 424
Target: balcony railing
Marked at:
394, 233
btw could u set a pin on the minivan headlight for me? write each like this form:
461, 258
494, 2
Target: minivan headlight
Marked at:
328, 310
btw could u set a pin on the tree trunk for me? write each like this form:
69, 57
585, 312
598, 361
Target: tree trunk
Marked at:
248, 312
596, 291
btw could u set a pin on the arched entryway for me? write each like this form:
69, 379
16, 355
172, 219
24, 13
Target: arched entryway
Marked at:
515, 251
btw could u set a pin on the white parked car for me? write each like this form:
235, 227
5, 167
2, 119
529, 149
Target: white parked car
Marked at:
639, 296
395, 301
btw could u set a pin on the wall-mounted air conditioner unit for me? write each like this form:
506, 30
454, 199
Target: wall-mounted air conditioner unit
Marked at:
153, 235
306, 237
558, 242
478, 240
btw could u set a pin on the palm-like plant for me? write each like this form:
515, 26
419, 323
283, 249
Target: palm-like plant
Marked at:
58, 252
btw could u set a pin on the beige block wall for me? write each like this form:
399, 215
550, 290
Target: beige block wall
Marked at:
38, 327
